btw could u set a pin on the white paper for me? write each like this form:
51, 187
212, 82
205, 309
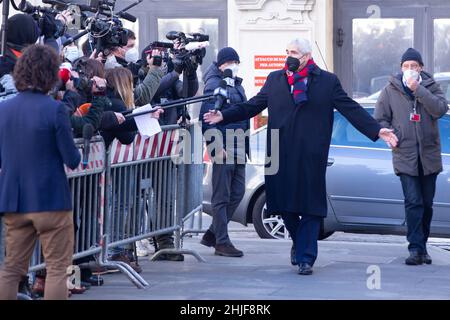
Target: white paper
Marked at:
146, 124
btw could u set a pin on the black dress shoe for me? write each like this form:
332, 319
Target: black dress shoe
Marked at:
414, 259
426, 258
293, 256
305, 269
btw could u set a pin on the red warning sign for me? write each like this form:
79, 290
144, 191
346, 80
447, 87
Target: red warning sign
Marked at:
259, 81
270, 62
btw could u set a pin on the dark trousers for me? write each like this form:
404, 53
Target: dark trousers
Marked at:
419, 193
228, 187
304, 233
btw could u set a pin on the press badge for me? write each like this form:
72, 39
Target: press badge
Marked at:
414, 117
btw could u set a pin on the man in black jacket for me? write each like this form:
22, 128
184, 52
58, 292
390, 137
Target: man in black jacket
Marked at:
301, 99
228, 175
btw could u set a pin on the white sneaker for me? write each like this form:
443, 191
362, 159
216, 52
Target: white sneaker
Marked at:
146, 243
141, 248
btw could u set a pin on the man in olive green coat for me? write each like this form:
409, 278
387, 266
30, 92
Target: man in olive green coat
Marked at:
411, 105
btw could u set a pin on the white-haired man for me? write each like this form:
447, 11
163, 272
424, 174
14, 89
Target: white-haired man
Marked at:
300, 100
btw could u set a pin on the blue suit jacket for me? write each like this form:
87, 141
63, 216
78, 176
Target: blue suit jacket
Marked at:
35, 142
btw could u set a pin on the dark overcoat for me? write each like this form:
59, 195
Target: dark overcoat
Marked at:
304, 137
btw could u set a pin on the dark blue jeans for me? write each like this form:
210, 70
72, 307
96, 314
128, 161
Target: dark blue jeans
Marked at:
304, 233
419, 193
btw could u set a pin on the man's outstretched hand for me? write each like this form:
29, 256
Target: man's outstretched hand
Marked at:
213, 117
389, 137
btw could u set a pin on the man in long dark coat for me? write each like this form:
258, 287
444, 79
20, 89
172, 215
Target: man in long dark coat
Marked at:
301, 99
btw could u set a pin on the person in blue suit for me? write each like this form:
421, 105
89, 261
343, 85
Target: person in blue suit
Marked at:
36, 141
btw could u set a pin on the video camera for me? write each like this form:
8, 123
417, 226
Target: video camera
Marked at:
191, 50
99, 20
44, 17
163, 47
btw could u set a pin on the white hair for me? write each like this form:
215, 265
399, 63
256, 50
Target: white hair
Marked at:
303, 46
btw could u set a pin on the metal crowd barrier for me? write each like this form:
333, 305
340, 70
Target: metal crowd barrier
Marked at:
148, 188
133, 192
87, 187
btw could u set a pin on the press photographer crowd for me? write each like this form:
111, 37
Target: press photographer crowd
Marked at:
43, 77
60, 85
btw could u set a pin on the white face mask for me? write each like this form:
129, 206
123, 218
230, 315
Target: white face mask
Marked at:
132, 55
409, 73
71, 53
234, 69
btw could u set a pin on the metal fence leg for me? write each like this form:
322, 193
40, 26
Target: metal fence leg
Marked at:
126, 269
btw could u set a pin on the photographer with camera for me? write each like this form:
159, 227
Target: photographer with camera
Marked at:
171, 87
85, 97
150, 75
118, 56
18, 38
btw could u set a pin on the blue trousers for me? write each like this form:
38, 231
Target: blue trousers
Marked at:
304, 233
419, 193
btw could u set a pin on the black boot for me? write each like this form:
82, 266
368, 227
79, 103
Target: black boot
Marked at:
426, 258
414, 259
305, 269
165, 241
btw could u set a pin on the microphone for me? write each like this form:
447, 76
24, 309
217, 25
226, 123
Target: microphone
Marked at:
228, 77
88, 132
174, 35
221, 95
127, 16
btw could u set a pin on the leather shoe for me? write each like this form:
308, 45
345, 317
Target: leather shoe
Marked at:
414, 259
293, 256
305, 269
208, 239
227, 250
